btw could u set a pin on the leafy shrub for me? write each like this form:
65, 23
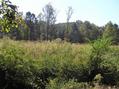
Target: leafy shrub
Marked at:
74, 71
99, 48
103, 60
19, 71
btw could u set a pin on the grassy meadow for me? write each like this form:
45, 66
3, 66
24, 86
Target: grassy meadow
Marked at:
58, 65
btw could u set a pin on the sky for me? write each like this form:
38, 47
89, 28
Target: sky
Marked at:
96, 11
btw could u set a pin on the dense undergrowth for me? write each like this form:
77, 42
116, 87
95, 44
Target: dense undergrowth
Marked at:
58, 65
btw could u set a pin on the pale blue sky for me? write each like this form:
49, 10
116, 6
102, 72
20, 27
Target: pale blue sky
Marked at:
95, 11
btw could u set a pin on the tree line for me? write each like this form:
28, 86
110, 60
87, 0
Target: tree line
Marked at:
44, 27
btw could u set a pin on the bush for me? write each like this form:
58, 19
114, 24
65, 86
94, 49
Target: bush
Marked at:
74, 71
19, 71
103, 60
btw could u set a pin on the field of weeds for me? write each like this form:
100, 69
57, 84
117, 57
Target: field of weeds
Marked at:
58, 65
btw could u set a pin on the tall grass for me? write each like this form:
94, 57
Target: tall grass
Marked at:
56, 65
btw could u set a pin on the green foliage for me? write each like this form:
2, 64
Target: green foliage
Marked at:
103, 60
111, 31
55, 84
99, 48
10, 18
71, 84
74, 85
18, 70
54, 65
15, 67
